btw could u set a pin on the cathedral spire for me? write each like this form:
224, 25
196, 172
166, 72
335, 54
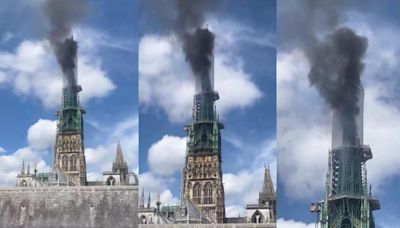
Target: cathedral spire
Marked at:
268, 191
23, 167
141, 202
148, 201
119, 164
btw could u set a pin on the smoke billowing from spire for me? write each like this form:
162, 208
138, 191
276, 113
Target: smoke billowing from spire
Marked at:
197, 42
335, 61
62, 14
336, 67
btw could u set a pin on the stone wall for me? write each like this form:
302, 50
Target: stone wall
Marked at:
69, 207
211, 226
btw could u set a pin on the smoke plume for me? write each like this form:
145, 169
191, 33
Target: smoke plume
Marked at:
62, 14
335, 60
336, 67
197, 42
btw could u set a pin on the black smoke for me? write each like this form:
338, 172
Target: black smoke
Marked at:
198, 48
62, 15
335, 59
197, 42
336, 67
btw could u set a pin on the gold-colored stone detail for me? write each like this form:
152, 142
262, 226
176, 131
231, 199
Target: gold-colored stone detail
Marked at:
202, 171
69, 157
69, 143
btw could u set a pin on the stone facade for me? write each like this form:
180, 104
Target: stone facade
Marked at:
203, 185
70, 157
69, 207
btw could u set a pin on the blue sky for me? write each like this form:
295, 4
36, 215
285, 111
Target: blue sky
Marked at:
111, 36
304, 120
30, 85
245, 79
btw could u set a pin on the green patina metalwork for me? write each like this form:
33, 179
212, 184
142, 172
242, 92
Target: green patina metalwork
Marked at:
347, 203
70, 119
204, 131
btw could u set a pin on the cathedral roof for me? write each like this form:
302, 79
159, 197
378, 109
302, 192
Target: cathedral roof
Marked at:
189, 213
161, 219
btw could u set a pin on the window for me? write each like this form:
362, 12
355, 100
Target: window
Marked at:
257, 217
197, 193
64, 163
110, 181
208, 193
72, 163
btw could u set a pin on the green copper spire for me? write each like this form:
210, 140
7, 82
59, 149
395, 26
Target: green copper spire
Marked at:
204, 131
347, 202
70, 115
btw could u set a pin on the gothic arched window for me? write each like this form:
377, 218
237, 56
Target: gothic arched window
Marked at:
72, 163
23, 183
64, 163
208, 193
197, 193
257, 217
110, 181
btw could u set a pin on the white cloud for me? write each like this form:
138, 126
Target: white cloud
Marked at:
91, 39
245, 191
11, 164
100, 157
245, 184
242, 187
2, 150
32, 71
168, 198
293, 224
40, 138
234, 211
230, 33
167, 156
41, 135
166, 81
157, 186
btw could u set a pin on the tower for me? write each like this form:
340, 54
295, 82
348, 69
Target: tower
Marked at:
69, 156
267, 195
202, 174
347, 203
119, 165
265, 210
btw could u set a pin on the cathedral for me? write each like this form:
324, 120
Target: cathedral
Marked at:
202, 199
63, 197
187, 212
69, 164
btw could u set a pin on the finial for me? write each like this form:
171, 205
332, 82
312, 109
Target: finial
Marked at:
35, 170
148, 201
158, 203
23, 167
